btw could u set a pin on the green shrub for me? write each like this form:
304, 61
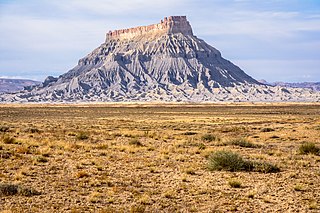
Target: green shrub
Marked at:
265, 167
8, 140
82, 136
135, 142
242, 142
201, 146
42, 159
230, 161
234, 183
226, 160
309, 148
12, 189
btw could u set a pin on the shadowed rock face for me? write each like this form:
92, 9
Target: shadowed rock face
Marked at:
160, 62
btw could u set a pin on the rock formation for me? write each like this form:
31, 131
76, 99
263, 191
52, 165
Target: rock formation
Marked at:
169, 25
15, 85
160, 62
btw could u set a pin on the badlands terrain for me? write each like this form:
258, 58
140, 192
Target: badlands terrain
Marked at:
160, 158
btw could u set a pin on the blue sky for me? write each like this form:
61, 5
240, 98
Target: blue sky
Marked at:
276, 40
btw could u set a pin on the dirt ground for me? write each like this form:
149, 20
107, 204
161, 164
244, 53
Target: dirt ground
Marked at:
154, 157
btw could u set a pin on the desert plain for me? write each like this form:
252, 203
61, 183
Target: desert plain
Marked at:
156, 157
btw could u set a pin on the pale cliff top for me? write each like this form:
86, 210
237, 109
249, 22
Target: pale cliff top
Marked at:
169, 25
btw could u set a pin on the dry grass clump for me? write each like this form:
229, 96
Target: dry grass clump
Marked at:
189, 133
82, 136
309, 148
4, 129
135, 142
267, 129
234, 183
227, 160
14, 189
8, 140
230, 161
242, 142
265, 167
210, 137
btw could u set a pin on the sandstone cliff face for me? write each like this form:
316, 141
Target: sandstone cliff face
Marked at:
160, 62
169, 25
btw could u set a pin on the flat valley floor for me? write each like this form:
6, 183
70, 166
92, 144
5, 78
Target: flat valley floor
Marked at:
155, 157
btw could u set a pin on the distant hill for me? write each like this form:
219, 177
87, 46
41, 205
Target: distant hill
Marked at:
308, 85
15, 85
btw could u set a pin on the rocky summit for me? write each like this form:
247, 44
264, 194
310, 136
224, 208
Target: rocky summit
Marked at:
159, 62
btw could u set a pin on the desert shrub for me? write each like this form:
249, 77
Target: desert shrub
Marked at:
210, 137
233, 129
298, 188
25, 191
265, 167
135, 142
8, 189
72, 134
82, 136
230, 161
189, 133
33, 130
8, 140
201, 146
309, 148
137, 209
242, 142
13, 189
190, 171
267, 129
42, 159
226, 160
234, 183
4, 129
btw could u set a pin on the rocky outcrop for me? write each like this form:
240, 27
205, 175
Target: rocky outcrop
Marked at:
161, 62
169, 25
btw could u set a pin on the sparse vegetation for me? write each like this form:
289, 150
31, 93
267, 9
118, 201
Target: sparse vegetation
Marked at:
267, 129
234, 183
209, 137
189, 133
298, 188
154, 158
82, 136
309, 148
227, 160
8, 140
230, 161
265, 167
242, 142
135, 142
4, 129
13, 189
